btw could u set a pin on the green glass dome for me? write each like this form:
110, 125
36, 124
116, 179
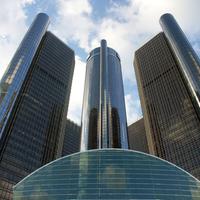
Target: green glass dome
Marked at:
108, 174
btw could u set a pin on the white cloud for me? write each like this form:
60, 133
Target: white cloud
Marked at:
117, 36
76, 97
12, 29
74, 21
125, 27
129, 26
74, 7
25, 2
133, 110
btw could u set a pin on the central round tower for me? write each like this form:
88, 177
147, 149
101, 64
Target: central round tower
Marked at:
104, 123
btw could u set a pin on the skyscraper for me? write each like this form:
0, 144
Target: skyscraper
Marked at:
103, 117
137, 136
72, 138
34, 101
185, 56
108, 173
167, 70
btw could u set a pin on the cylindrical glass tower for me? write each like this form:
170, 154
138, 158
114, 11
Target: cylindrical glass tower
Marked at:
185, 56
19, 66
104, 122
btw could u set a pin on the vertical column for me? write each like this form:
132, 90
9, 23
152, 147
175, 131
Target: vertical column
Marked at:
103, 95
189, 63
16, 73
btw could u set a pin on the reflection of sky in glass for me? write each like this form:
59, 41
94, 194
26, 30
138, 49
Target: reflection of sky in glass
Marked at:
108, 174
11, 76
19, 67
185, 55
103, 91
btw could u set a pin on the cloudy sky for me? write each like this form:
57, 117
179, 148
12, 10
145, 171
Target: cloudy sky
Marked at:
125, 24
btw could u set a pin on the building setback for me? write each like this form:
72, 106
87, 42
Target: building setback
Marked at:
168, 100
104, 122
137, 136
34, 101
72, 138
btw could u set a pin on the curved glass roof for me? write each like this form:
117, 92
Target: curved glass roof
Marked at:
108, 174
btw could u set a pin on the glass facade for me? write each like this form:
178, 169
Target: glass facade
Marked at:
108, 174
137, 136
171, 121
189, 62
72, 138
103, 117
34, 131
18, 68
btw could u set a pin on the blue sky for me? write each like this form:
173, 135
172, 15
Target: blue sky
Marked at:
125, 24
